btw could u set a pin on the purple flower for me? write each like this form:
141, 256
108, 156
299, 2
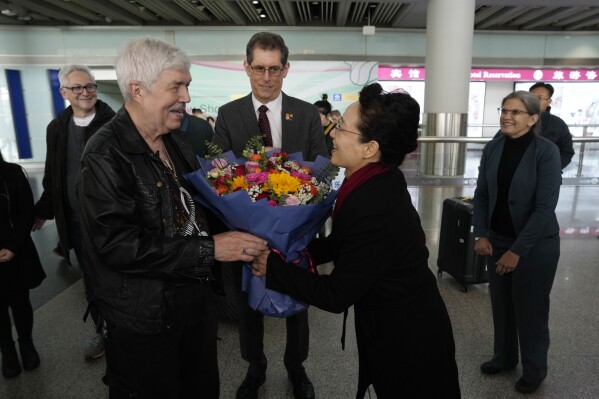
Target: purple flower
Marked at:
258, 178
251, 166
219, 162
301, 176
292, 200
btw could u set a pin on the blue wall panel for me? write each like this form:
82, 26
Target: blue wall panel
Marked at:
58, 104
19, 116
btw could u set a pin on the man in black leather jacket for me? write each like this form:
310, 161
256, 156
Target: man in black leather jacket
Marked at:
153, 255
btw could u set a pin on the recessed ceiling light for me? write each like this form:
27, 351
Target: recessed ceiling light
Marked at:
262, 15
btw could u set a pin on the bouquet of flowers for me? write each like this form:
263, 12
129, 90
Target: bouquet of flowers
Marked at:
273, 195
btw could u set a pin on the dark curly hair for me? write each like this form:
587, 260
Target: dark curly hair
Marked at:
391, 119
324, 106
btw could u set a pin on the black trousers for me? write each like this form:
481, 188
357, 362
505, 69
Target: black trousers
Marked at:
520, 303
251, 334
180, 363
22, 313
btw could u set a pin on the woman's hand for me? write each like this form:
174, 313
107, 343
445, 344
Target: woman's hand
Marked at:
6, 255
259, 266
483, 247
507, 263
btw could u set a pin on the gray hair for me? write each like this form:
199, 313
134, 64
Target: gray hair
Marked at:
531, 104
65, 71
144, 59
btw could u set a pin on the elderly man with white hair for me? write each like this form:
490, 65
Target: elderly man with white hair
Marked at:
152, 274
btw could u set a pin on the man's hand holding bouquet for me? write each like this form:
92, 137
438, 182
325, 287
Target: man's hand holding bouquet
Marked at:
274, 195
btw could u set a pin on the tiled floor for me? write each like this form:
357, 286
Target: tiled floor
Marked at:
60, 334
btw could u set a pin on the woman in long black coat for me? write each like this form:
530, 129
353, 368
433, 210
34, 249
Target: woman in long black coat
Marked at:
20, 269
404, 335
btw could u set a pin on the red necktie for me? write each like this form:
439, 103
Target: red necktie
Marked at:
264, 126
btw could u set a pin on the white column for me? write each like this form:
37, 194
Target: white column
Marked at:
449, 37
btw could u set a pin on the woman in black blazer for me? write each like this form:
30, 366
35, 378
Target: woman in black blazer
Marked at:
20, 269
515, 226
377, 244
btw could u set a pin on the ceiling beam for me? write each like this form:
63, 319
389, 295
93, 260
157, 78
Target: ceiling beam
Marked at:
580, 16
583, 23
550, 19
77, 9
136, 9
288, 14
485, 12
343, 13
168, 11
501, 18
229, 10
39, 7
111, 11
194, 9
403, 12
533, 15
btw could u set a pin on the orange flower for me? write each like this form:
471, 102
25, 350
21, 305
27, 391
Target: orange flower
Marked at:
255, 157
221, 190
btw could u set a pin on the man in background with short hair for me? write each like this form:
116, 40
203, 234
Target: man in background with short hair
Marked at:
66, 137
553, 127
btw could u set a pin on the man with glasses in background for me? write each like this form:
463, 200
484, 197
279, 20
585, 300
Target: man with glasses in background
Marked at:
65, 139
292, 125
553, 127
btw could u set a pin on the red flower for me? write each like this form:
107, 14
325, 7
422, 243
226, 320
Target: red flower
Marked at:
239, 170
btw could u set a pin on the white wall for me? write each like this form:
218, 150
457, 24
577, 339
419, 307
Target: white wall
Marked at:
34, 50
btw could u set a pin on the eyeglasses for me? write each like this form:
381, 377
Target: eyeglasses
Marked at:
512, 112
272, 71
338, 127
90, 88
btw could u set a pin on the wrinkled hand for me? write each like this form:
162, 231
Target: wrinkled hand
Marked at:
483, 247
235, 245
259, 264
507, 263
38, 224
6, 255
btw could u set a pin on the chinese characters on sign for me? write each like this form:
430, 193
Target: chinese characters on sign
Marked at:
567, 75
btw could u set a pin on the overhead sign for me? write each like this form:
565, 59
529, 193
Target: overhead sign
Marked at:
566, 75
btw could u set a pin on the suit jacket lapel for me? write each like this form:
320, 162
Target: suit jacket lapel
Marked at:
288, 126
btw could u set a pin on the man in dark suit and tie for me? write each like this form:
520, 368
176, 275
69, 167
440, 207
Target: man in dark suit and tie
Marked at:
292, 125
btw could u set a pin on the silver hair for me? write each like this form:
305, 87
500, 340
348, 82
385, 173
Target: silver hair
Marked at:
65, 71
530, 101
144, 59
531, 104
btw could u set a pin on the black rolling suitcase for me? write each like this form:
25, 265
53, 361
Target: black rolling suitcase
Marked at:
456, 244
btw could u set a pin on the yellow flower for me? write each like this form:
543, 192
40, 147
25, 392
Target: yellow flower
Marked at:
238, 183
283, 183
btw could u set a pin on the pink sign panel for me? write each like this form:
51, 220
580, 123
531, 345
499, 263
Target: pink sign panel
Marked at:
567, 75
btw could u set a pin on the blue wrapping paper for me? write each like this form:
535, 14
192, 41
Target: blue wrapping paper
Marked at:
289, 229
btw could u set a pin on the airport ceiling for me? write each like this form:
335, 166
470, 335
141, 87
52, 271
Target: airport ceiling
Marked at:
491, 15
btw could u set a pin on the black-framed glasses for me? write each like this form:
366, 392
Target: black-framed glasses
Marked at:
272, 71
90, 88
338, 127
512, 112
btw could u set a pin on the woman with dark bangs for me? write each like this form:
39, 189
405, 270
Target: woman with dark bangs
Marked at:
378, 247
